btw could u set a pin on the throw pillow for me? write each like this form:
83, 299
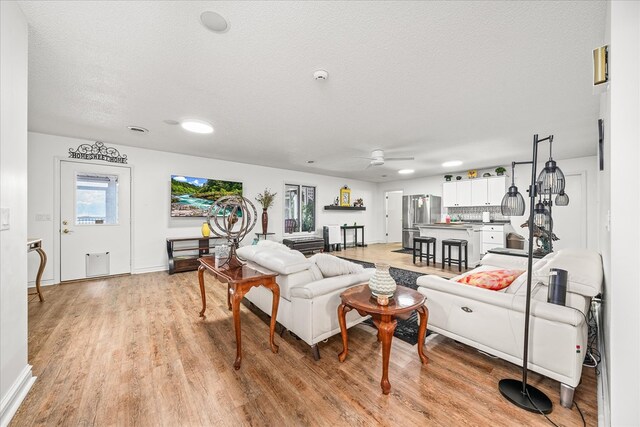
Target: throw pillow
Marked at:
493, 280
331, 266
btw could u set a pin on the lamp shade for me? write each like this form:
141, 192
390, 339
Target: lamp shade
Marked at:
512, 203
562, 199
541, 216
551, 179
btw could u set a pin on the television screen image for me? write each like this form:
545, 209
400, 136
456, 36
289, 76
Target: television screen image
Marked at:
193, 197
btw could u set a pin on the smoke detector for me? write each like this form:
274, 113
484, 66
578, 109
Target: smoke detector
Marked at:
320, 75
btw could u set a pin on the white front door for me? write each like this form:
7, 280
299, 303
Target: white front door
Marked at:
394, 216
95, 220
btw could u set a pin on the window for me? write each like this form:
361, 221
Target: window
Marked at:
299, 208
96, 199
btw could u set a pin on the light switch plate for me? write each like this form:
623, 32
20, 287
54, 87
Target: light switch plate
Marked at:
4, 218
43, 217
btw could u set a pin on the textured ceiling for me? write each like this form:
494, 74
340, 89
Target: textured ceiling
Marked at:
439, 81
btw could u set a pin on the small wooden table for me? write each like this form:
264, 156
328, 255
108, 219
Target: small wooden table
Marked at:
401, 305
36, 245
239, 281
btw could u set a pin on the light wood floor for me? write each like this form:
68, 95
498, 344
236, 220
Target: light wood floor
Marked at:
132, 351
384, 252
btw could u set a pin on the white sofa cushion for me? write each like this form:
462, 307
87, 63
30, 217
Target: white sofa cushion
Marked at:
331, 266
275, 259
330, 284
584, 267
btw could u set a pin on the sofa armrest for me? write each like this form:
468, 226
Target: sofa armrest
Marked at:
539, 309
330, 284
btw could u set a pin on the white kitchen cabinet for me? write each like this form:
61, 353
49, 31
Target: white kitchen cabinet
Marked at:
479, 194
487, 191
456, 194
496, 188
449, 195
492, 237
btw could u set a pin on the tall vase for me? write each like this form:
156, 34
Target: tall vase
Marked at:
381, 283
265, 221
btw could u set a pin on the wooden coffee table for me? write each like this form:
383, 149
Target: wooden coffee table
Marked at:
404, 301
239, 281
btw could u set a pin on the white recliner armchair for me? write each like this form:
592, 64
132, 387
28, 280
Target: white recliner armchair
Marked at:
493, 321
310, 289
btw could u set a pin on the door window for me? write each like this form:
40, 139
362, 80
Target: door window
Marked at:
96, 199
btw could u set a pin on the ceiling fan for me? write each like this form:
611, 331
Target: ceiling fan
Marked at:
377, 158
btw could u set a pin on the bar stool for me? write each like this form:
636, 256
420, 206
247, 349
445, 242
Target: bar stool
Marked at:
459, 243
417, 247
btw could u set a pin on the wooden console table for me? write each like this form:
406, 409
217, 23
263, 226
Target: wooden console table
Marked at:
403, 302
239, 281
36, 245
185, 258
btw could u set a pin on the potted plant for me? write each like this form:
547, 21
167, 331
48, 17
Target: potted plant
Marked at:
500, 171
458, 178
266, 199
448, 177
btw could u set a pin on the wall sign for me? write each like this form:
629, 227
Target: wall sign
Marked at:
97, 151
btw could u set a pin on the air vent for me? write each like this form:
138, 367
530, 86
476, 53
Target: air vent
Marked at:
137, 129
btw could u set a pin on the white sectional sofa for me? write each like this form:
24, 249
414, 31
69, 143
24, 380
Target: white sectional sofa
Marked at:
493, 321
310, 289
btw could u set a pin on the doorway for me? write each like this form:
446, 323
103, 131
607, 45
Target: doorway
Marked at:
95, 220
393, 216
570, 222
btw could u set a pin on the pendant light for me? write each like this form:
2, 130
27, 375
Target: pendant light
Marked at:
551, 178
512, 202
541, 216
562, 199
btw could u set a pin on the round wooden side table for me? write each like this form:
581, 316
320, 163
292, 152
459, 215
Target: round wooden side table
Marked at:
404, 301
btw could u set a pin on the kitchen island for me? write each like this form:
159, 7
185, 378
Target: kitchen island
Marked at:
471, 232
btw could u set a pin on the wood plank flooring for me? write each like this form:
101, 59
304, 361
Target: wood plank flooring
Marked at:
132, 351
384, 252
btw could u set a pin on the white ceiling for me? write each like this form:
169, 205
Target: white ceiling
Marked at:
440, 81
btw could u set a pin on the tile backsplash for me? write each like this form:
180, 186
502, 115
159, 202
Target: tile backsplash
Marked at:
475, 213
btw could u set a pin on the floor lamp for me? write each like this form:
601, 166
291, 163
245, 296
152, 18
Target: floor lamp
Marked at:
551, 181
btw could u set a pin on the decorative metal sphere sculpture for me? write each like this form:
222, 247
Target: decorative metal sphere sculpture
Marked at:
232, 218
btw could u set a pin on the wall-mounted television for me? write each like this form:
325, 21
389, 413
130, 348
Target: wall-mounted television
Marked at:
192, 197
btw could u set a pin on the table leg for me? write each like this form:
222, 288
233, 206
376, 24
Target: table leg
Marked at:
202, 294
235, 303
386, 328
422, 330
43, 263
344, 239
342, 313
229, 296
275, 291
355, 237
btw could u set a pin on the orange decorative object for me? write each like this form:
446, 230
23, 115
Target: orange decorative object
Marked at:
493, 280
472, 174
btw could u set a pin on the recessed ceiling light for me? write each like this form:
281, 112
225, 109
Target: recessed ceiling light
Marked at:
171, 122
214, 22
405, 171
137, 129
452, 163
196, 126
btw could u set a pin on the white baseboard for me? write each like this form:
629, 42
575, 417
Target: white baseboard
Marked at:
150, 269
48, 282
16, 394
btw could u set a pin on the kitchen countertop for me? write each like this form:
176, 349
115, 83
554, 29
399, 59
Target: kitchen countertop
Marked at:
453, 225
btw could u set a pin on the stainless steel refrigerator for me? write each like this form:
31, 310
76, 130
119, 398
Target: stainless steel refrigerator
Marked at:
418, 209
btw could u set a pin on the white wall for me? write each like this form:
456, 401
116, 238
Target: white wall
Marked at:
15, 373
586, 165
622, 298
152, 172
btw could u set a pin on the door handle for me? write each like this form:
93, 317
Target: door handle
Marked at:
67, 231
